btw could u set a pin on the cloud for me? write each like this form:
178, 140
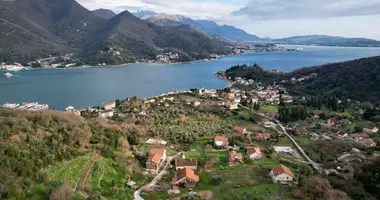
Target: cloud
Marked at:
301, 9
193, 8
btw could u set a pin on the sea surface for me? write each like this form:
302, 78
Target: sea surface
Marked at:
86, 87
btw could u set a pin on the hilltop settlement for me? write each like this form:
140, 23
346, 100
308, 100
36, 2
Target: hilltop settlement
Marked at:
249, 140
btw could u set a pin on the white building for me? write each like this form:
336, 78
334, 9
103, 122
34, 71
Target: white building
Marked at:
110, 106
282, 174
221, 141
254, 153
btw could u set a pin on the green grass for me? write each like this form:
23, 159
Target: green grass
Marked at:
247, 178
245, 114
107, 175
70, 171
266, 108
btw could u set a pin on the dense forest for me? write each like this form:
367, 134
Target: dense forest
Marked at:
254, 72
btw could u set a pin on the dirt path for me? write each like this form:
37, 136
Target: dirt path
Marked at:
84, 177
157, 178
101, 176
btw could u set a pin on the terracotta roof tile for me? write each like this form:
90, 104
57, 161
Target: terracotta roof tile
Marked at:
252, 150
188, 173
281, 169
185, 162
155, 155
221, 138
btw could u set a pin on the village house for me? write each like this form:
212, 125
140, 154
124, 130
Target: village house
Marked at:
240, 130
190, 163
156, 157
342, 134
282, 174
186, 178
317, 114
266, 122
368, 142
284, 150
109, 106
208, 168
370, 129
262, 136
221, 141
333, 122
360, 136
254, 153
106, 113
234, 106
234, 158
301, 130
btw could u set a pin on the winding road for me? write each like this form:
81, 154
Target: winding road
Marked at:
137, 194
315, 165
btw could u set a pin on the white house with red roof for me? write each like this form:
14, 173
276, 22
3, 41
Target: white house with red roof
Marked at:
254, 153
186, 177
156, 157
370, 129
109, 106
342, 134
282, 174
221, 141
235, 158
239, 129
368, 142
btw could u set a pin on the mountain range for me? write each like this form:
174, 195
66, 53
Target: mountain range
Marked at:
32, 29
325, 40
235, 34
207, 26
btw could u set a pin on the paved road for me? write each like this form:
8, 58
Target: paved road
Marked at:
315, 165
137, 194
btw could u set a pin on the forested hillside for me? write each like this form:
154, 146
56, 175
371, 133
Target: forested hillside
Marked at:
33, 141
34, 29
357, 79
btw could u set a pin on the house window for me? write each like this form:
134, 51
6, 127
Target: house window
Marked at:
287, 177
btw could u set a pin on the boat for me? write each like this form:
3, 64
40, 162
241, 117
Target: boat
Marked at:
8, 75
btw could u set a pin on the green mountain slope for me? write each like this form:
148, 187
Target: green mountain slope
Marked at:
138, 39
39, 28
357, 79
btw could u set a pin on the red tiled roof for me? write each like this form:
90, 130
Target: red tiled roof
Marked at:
234, 154
281, 169
341, 133
370, 141
188, 173
360, 135
208, 168
263, 135
155, 155
221, 138
109, 104
252, 150
239, 129
185, 162
370, 127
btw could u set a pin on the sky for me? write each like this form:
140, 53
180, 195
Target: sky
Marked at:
268, 18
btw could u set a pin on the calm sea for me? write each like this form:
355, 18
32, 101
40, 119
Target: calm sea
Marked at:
86, 87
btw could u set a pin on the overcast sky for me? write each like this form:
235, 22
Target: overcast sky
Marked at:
268, 18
